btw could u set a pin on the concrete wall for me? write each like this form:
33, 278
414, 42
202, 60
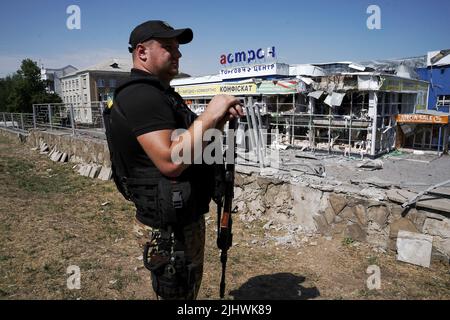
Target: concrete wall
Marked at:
79, 149
336, 214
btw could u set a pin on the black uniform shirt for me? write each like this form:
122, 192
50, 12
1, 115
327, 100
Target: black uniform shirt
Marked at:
139, 108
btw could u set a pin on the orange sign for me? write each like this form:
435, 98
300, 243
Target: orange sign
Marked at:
421, 118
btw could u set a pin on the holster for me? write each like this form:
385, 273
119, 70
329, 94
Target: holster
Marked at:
173, 276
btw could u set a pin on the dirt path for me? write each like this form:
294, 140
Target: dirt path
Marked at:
52, 218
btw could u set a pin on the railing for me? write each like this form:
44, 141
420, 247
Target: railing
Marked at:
292, 125
83, 119
75, 117
16, 121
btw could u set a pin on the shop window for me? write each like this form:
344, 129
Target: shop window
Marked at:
443, 101
112, 83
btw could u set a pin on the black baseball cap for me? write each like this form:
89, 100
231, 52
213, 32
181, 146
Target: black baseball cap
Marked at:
158, 29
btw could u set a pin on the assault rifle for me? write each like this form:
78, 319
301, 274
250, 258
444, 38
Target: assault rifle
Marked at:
224, 198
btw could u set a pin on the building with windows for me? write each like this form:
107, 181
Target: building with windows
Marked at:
95, 83
52, 78
85, 90
437, 72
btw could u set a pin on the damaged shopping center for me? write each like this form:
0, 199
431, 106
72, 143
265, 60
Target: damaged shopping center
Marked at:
337, 107
356, 112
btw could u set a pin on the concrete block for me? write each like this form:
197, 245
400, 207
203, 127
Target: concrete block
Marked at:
50, 154
337, 202
94, 171
321, 224
417, 217
86, 170
377, 235
442, 246
105, 173
439, 228
348, 214
400, 224
43, 147
414, 248
80, 169
56, 156
354, 231
360, 212
306, 198
329, 215
64, 157
378, 214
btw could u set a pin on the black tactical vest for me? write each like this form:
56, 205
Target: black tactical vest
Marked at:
161, 201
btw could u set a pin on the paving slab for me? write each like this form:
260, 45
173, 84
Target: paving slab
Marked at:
428, 201
414, 248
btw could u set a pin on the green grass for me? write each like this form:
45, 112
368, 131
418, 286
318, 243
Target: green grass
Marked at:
24, 175
347, 241
372, 260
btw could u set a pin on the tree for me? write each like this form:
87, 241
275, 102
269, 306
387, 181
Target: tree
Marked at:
20, 91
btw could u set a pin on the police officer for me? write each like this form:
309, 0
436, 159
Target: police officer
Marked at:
170, 197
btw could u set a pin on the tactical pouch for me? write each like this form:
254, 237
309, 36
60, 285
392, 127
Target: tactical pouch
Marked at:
174, 201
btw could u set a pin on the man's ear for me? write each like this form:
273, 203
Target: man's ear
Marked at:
141, 52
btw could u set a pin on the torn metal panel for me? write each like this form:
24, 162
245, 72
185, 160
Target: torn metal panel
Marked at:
334, 99
316, 94
438, 58
337, 83
404, 71
306, 70
306, 80
392, 64
368, 82
357, 66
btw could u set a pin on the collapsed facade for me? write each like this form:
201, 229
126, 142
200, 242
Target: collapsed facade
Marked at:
333, 107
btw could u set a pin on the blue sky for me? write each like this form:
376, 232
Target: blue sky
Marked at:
302, 31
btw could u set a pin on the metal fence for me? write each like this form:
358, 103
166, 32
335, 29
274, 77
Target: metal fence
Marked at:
16, 121
74, 118
289, 126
